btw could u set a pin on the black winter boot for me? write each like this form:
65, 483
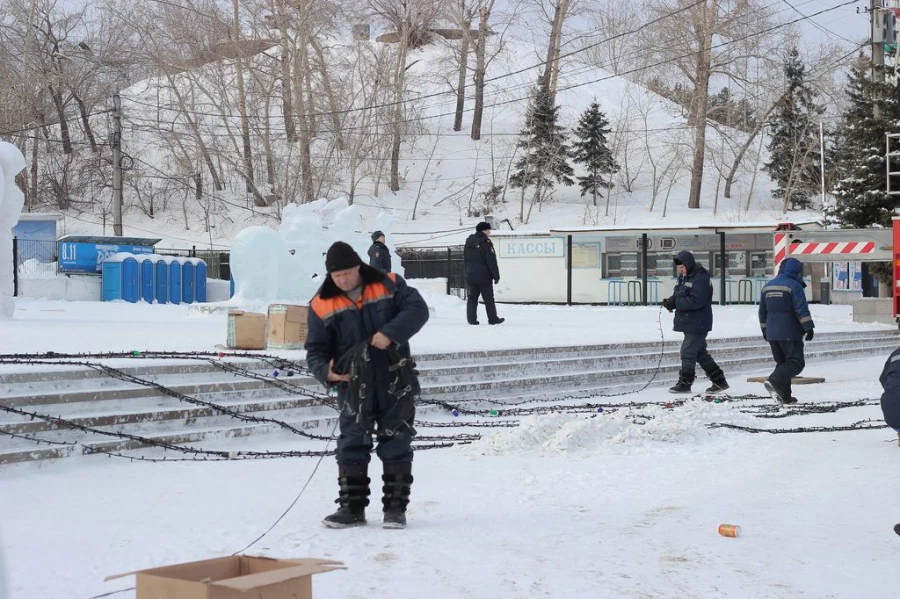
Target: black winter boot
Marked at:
685, 380
717, 378
353, 497
397, 479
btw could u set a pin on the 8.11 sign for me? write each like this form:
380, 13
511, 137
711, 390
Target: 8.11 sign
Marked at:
87, 258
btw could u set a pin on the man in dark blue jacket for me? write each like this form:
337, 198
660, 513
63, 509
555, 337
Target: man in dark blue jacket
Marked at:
692, 303
379, 254
360, 323
481, 268
785, 321
890, 399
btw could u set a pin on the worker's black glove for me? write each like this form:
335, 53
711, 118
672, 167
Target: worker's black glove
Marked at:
809, 335
669, 304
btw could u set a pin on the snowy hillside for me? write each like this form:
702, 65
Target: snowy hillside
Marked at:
443, 173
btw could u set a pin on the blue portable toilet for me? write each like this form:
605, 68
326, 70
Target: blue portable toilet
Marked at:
161, 282
148, 287
111, 283
200, 286
187, 281
131, 291
175, 281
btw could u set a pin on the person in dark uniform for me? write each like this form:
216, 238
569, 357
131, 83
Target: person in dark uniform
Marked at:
890, 399
379, 255
481, 274
360, 323
785, 322
692, 304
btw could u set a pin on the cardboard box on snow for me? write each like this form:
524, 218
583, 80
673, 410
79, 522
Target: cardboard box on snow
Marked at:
246, 330
287, 326
236, 577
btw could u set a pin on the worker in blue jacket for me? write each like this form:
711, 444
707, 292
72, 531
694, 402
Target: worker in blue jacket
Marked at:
890, 399
785, 322
692, 303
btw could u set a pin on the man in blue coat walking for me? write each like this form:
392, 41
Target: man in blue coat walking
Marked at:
692, 304
890, 399
785, 322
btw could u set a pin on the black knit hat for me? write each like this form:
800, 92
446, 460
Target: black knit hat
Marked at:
482, 226
341, 256
376, 235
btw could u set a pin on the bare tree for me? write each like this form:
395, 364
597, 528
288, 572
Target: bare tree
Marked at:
610, 42
555, 13
463, 13
413, 19
686, 34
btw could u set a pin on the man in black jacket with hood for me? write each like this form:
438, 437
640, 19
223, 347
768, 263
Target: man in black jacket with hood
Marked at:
692, 304
379, 255
481, 269
360, 323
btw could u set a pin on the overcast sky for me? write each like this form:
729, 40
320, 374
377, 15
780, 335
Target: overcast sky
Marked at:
843, 24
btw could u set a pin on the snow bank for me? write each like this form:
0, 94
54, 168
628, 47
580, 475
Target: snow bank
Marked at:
617, 431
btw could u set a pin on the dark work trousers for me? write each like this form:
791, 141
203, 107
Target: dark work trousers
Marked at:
485, 290
693, 352
789, 363
394, 419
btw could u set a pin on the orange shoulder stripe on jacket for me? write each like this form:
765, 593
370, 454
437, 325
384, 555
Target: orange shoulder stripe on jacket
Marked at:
325, 308
374, 292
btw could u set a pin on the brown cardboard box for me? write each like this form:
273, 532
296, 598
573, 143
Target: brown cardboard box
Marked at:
287, 326
235, 577
246, 330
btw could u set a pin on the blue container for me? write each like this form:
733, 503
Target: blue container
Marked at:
200, 287
112, 280
131, 291
162, 282
187, 282
232, 287
175, 282
147, 283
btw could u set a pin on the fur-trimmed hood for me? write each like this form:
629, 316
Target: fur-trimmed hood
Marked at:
368, 274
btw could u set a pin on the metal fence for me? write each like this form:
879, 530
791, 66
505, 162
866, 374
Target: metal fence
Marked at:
34, 258
433, 263
218, 264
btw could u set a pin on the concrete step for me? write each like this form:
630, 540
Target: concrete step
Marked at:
93, 399
171, 413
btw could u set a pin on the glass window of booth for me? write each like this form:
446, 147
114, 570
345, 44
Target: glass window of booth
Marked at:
736, 267
659, 264
622, 264
762, 263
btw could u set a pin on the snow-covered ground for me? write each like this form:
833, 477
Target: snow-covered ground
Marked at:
565, 505
49, 325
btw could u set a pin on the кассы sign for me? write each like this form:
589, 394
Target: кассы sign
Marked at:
531, 247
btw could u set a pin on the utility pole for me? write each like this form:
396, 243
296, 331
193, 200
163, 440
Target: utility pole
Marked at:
117, 165
875, 17
822, 159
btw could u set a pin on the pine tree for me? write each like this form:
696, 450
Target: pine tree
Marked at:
794, 148
545, 161
590, 149
860, 153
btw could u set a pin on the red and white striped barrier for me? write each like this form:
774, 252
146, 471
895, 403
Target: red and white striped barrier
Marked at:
819, 247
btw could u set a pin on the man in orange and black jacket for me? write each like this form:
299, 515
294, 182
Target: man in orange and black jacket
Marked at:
360, 323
